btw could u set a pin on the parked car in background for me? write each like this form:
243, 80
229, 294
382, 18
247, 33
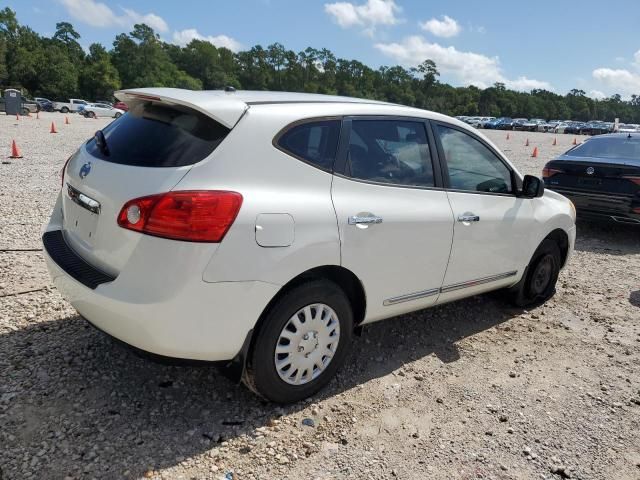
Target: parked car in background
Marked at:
45, 104
93, 110
560, 127
518, 123
104, 102
532, 125
191, 229
574, 127
121, 105
71, 105
479, 122
628, 128
601, 177
504, 123
596, 128
547, 126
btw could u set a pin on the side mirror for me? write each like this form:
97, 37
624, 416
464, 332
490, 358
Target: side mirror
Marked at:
532, 187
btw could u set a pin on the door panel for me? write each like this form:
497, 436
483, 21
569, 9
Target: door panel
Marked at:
395, 227
485, 250
407, 253
492, 224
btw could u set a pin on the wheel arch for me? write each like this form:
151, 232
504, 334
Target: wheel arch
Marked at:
562, 239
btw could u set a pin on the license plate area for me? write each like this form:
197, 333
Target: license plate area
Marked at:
590, 181
81, 217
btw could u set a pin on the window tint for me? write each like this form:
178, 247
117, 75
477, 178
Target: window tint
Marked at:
314, 142
472, 166
609, 147
390, 151
157, 135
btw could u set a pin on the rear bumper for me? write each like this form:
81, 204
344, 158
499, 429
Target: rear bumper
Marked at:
177, 316
598, 206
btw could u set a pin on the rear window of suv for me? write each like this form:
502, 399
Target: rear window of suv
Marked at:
157, 135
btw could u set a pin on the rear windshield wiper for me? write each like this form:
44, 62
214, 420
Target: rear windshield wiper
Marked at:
101, 142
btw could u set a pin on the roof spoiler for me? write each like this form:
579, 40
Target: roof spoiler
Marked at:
217, 104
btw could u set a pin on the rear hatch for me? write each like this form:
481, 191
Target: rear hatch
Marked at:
145, 152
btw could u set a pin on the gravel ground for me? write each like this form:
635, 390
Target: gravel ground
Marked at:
475, 389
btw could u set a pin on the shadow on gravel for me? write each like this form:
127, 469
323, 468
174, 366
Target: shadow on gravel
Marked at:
609, 238
75, 403
634, 298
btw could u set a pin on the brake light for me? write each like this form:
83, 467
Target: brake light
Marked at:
64, 169
550, 172
190, 215
634, 179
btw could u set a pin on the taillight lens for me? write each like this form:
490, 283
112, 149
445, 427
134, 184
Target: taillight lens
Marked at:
190, 215
633, 178
550, 172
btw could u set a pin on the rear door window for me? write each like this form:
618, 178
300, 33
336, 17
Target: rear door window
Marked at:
156, 135
314, 142
390, 151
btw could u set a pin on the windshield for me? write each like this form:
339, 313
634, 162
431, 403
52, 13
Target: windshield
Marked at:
609, 147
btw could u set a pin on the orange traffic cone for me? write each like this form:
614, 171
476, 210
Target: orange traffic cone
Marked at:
15, 151
66, 120
507, 136
526, 143
53, 128
535, 153
555, 141
575, 141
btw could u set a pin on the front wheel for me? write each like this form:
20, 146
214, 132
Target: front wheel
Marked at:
118, 115
539, 282
301, 343
91, 114
64, 110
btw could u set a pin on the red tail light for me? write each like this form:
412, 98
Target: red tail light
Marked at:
632, 178
550, 172
190, 215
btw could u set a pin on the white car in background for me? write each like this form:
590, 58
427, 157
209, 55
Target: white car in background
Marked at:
259, 229
94, 110
478, 122
628, 128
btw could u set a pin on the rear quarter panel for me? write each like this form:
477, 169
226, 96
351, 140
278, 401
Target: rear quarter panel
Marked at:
271, 182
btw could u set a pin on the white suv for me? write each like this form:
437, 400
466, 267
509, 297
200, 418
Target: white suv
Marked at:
259, 229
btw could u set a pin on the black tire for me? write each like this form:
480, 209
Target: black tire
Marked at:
64, 110
261, 375
91, 114
539, 282
118, 115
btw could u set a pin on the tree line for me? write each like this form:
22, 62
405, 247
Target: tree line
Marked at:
58, 68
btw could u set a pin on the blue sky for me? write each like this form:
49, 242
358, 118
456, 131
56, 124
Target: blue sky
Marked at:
590, 44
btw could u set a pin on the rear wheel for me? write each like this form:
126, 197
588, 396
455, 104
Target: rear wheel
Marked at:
118, 115
91, 114
64, 110
539, 282
301, 343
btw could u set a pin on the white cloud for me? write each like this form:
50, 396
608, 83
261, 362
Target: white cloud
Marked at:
597, 94
368, 15
183, 37
97, 14
468, 68
447, 27
620, 80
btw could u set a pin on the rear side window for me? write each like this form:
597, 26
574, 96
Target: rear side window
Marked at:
157, 135
313, 142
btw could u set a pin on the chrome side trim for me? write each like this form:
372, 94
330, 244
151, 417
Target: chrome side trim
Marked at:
411, 296
478, 281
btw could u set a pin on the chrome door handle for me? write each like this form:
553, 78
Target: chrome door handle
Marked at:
469, 218
357, 220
